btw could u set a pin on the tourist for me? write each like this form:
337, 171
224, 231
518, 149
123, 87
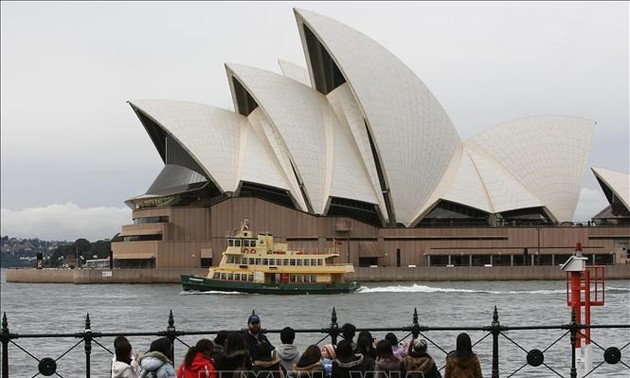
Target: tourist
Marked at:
462, 362
347, 332
386, 364
219, 342
235, 359
287, 352
253, 335
157, 362
328, 355
365, 344
418, 363
123, 364
309, 365
198, 361
265, 365
399, 349
350, 365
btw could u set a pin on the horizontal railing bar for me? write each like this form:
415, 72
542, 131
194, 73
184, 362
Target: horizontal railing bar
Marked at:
325, 330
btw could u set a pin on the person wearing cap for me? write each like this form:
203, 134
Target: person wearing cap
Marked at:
419, 364
329, 353
253, 336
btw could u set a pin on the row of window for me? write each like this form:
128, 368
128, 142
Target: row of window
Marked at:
241, 242
305, 278
158, 219
234, 276
274, 262
513, 260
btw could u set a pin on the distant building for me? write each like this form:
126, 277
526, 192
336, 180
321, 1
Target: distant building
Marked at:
355, 147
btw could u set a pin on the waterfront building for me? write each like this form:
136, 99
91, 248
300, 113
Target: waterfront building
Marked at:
355, 150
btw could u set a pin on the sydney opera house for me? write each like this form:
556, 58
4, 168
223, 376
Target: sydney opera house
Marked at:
354, 150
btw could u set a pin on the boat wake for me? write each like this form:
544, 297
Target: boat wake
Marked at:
415, 288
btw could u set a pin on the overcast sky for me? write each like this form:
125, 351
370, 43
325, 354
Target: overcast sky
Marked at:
73, 151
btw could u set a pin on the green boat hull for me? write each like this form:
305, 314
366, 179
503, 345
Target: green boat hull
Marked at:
196, 283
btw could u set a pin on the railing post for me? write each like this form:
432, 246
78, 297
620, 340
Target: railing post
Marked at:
87, 337
573, 328
334, 327
495, 343
170, 332
5, 345
415, 328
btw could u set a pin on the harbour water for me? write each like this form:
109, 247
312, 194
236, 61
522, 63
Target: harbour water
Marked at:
62, 308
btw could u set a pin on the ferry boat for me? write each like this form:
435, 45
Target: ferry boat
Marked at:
256, 264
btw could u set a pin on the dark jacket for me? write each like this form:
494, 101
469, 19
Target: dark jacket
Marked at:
420, 366
462, 367
388, 368
268, 369
233, 365
314, 370
357, 366
253, 341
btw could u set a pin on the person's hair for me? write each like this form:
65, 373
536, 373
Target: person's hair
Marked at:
287, 335
234, 342
220, 338
347, 331
122, 349
393, 340
263, 351
464, 346
311, 355
365, 344
344, 348
203, 345
162, 345
384, 350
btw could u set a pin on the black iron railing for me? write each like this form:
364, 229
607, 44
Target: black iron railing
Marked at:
612, 355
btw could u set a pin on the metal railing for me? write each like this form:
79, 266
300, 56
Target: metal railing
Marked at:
612, 355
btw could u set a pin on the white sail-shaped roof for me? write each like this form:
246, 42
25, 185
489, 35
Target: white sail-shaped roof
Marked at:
547, 155
215, 138
313, 136
617, 182
358, 124
409, 127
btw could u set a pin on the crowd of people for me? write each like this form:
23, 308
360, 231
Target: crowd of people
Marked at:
249, 354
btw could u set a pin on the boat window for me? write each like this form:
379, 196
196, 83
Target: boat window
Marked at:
292, 262
237, 243
251, 261
230, 276
313, 278
272, 261
258, 261
313, 262
285, 262
216, 275
299, 262
307, 262
223, 276
230, 242
244, 260
293, 278
265, 262
237, 276
250, 277
320, 262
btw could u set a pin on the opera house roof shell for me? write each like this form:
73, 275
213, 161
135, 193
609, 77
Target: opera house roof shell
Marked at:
359, 126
